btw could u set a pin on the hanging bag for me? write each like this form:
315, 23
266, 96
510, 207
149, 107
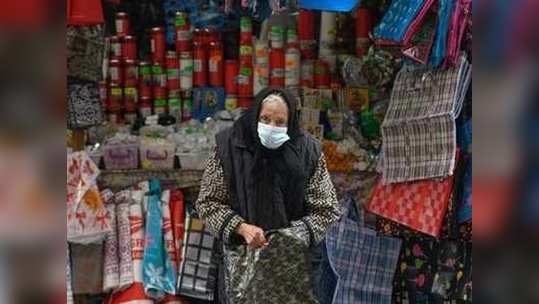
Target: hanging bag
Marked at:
85, 51
279, 273
83, 106
364, 262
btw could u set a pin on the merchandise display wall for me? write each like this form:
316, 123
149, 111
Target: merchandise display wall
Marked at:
385, 88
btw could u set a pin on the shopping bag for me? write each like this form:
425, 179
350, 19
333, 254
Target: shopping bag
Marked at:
360, 257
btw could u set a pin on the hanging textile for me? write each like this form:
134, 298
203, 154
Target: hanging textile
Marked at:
279, 273
136, 222
449, 227
432, 271
359, 257
158, 273
168, 236
123, 199
464, 212
178, 220
401, 21
439, 49
420, 205
87, 218
69, 284
459, 23
111, 260
85, 51
419, 131
87, 267
198, 271
83, 106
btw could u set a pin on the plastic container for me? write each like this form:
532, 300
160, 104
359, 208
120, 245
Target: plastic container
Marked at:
192, 160
121, 156
84, 12
157, 154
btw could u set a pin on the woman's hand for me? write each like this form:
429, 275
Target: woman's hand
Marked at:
253, 235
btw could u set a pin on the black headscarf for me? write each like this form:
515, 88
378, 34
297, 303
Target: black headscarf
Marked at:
277, 177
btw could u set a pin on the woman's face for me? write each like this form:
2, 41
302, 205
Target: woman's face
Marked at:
274, 112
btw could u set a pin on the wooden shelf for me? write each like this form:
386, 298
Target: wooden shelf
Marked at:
176, 178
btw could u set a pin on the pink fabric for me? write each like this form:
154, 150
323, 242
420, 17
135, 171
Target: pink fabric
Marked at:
457, 27
418, 21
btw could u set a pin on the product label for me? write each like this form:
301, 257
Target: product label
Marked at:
173, 74
119, 26
277, 73
197, 65
214, 64
130, 92
116, 92
117, 49
157, 69
174, 102
246, 71
245, 24
114, 73
180, 21
246, 50
243, 80
182, 35
152, 46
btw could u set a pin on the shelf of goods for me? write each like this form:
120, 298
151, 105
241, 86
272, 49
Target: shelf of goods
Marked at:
117, 180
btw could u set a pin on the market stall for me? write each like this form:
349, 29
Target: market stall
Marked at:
383, 85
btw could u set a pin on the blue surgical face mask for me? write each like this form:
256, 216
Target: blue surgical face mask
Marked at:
272, 137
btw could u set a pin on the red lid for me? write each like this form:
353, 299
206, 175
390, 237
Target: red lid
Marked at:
306, 25
84, 12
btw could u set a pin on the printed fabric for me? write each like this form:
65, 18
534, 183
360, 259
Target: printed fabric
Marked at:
87, 275
135, 293
158, 272
363, 262
123, 200
419, 130
83, 106
111, 260
398, 19
198, 271
439, 49
280, 273
420, 205
85, 51
87, 218
432, 271
459, 23
464, 213
449, 225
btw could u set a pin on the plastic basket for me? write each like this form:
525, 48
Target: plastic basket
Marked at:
157, 156
121, 156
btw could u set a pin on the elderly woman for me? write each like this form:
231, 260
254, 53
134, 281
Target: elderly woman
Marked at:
267, 174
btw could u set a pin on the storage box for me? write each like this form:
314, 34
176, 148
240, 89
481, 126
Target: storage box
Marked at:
193, 161
121, 156
157, 154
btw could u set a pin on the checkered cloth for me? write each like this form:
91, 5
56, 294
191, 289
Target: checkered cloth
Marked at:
420, 205
198, 270
363, 262
419, 131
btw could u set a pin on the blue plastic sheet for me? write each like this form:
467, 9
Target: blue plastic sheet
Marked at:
330, 5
